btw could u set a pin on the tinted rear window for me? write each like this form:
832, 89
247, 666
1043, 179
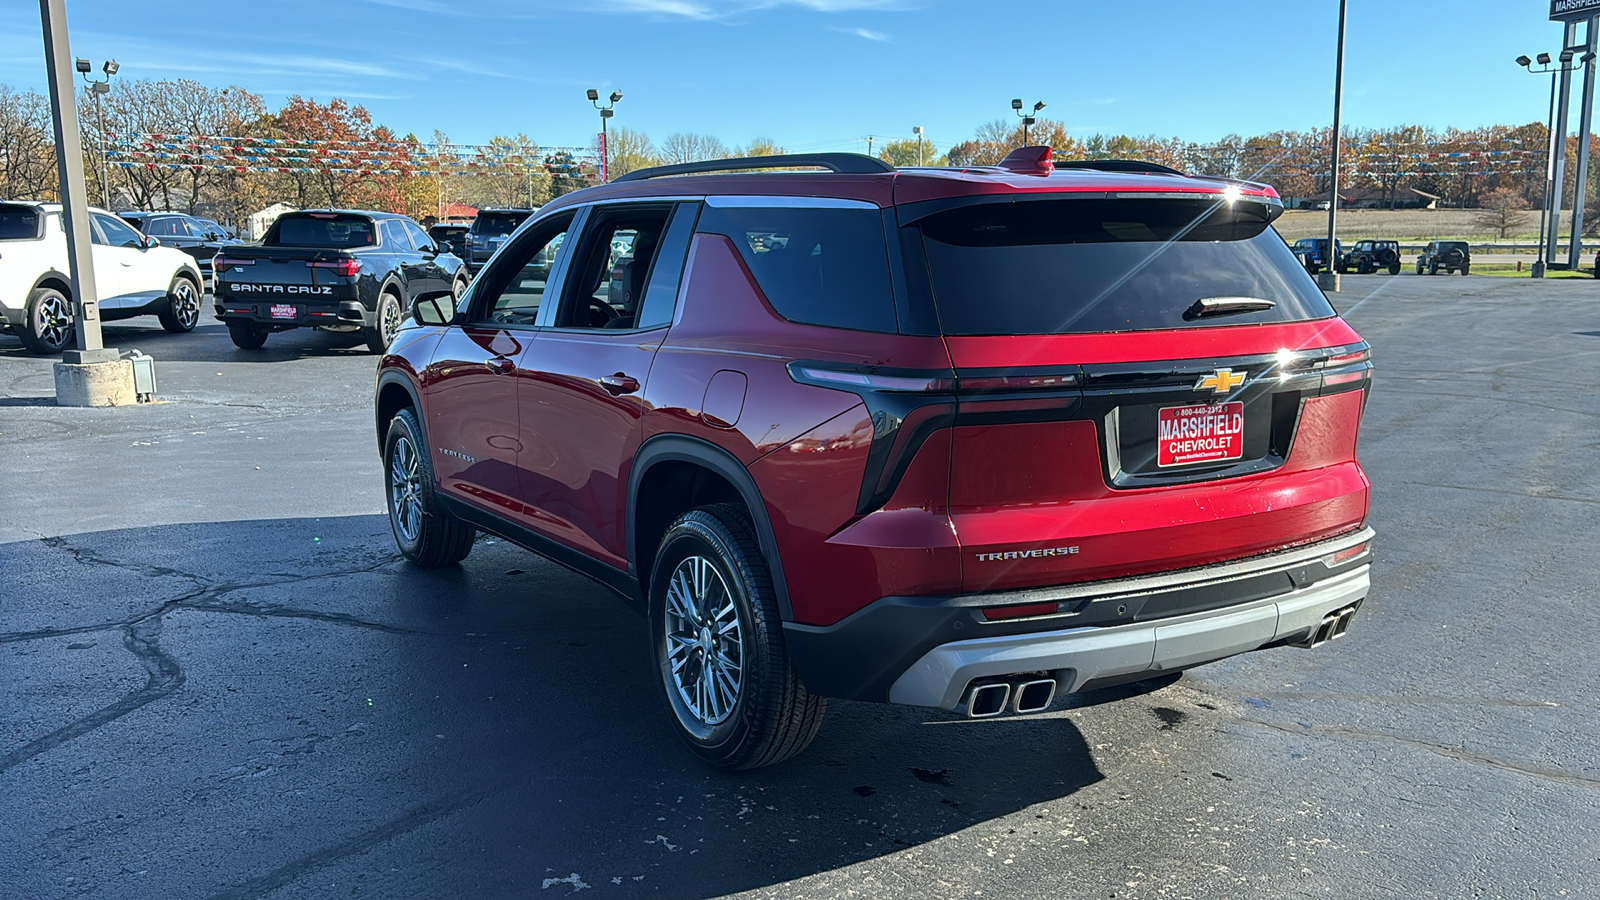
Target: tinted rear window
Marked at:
335, 232
498, 223
18, 223
1077, 266
818, 266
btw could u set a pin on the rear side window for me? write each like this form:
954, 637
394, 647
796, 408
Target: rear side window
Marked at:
815, 265
329, 230
166, 226
19, 223
498, 223
1079, 266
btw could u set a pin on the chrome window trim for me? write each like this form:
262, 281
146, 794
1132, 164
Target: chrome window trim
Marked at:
736, 201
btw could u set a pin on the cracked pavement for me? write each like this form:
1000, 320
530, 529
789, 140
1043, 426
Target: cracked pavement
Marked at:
220, 681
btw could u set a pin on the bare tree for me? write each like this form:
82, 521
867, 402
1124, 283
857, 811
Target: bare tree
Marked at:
683, 147
27, 147
1502, 212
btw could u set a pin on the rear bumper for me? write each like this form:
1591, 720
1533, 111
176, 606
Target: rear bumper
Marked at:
925, 651
260, 312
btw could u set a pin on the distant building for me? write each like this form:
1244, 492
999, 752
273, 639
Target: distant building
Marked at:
457, 212
1370, 198
255, 227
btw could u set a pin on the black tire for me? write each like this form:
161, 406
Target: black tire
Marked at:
246, 336
1394, 268
426, 535
767, 716
183, 306
49, 326
1466, 269
1313, 269
385, 323
1433, 269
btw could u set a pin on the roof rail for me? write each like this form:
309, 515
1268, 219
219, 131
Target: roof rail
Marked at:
1117, 165
838, 163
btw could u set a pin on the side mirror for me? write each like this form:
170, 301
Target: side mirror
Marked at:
151, 242
434, 308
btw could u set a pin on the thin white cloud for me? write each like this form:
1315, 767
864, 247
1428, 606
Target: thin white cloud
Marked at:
866, 33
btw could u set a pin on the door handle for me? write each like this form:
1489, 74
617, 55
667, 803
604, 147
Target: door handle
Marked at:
619, 384
501, 365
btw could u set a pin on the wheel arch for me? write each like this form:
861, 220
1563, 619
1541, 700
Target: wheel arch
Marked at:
54, 280
396, 392
667, 480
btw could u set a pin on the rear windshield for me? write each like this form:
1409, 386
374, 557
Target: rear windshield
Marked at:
498, 223
328, 230
1452, 245
1077, 266
18, 223
820, 266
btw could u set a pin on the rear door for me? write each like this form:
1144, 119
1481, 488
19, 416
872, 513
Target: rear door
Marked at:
470, 386
1145, 384
433, 276
582, 383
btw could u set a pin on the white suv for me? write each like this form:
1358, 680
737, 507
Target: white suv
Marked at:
134, 274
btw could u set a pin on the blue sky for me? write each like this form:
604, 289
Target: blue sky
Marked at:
824, 74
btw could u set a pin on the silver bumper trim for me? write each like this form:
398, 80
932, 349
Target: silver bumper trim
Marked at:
1076, 656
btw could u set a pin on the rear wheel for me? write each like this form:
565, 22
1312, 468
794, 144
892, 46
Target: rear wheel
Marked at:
48, 328
716, 641
1394, 268
387, 323
1465, 269
246, 335
427, 535
183, 306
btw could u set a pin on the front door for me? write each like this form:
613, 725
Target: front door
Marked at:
470, 386
118, 253
584, 379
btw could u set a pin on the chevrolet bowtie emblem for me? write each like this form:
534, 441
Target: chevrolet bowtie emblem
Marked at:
1222, 381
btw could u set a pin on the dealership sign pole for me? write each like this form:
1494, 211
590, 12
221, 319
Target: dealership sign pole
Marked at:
1569, 13
74, 194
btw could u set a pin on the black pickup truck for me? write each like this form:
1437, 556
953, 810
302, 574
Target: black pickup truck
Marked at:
333, 270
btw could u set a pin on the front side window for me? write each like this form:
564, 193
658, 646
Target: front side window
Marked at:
418, 238
116, 232
511, 290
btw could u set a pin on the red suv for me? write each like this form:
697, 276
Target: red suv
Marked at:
957, 438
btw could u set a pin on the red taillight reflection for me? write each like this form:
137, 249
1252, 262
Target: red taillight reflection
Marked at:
1022, 611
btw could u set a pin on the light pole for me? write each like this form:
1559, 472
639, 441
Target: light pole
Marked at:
605, 116
1027, 118
1547, 227
917, 130
1329, 280
98, 88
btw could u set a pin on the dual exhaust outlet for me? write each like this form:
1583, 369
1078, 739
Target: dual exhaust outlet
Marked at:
995, 697
1333, 626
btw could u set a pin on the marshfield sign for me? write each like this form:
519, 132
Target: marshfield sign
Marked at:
1573, 10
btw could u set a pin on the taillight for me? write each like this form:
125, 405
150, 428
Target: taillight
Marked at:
345, 267
871, 378
1345, 555
223, 263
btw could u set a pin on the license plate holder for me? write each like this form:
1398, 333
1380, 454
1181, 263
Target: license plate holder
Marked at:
283, 311
1199, 433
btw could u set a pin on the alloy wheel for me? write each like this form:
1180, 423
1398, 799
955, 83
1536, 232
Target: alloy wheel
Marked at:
704, 641
405, 489
391, 320
55, 321
186, 304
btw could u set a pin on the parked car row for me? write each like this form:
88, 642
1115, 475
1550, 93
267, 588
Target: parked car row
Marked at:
1369, 256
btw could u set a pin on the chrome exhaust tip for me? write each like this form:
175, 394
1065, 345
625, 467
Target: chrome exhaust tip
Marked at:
1034, 696
985, 701
1334, 625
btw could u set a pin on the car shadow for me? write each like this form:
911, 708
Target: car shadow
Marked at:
330, 710
208, 342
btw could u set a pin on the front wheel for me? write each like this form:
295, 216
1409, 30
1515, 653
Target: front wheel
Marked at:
427, 535
246, 336
387, 323
717, 645
183, 306
49, 327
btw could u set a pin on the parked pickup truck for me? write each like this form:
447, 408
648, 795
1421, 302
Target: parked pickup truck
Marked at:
333, 270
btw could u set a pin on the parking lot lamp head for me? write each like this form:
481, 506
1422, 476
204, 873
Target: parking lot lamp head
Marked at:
110, 68
615, 96
1542, 59
83, 66
1566, 57
1524, 61
1038, 106
1017, 103
593, 95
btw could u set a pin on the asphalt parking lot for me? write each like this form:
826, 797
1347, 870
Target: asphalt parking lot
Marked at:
220, 681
